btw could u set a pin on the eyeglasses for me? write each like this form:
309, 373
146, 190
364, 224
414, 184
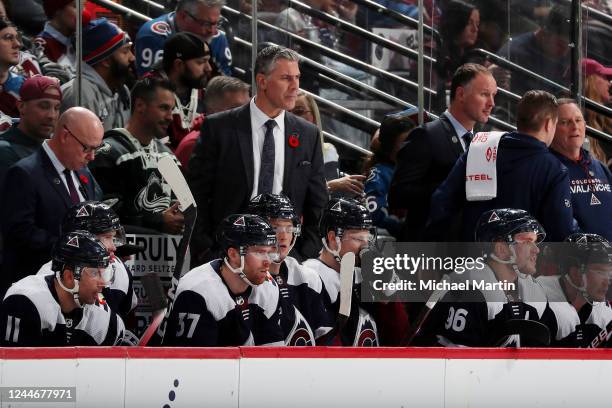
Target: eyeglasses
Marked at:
203, 23
300, 111
86, 149
11, 38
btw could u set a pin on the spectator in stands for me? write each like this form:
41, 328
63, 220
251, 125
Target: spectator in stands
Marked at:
222, 93
40, 98
39, 189
135, 151
186, 65
199, 17
107, 55
56, 40
430, 151
543, 52
380, 168
29, 15
590, 180
528, 177
459, 31
259, 148
10, 83
349, 184
597, 87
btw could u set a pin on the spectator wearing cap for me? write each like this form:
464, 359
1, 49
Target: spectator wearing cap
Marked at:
39, 110
544, 52
597, 87
39, 189
58, 35
186, 64
10, 82
108, 57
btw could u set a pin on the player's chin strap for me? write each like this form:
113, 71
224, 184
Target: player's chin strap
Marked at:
581, 289
74, 291
239, 271
336, 252
511, 261
291, 245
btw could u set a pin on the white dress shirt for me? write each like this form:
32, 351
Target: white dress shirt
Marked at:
258, 132
59, 167
459, 129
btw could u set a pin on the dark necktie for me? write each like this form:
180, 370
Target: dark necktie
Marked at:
467, 139
74, 196
266, 170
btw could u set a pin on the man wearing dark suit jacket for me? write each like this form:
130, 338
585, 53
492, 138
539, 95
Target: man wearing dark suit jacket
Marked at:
39, 189
430, 151
259, 148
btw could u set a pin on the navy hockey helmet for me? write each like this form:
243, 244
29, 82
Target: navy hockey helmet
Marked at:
243, 230
343, 214
95, 217
274, 206
586, 249
502, 224
78, 249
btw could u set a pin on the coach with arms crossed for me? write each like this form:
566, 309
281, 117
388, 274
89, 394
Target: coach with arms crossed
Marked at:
259, 148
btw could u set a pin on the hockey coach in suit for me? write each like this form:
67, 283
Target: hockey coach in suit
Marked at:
259, 148
39, 189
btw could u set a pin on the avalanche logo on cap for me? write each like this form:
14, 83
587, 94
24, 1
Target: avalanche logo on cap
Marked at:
82, 212
336, 207
493, 217
73, 242
239, 222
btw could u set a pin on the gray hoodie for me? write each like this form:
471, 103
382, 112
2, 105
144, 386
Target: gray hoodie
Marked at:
113, 109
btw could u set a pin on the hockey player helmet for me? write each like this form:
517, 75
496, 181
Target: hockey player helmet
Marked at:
504, 223
243, 230
274, 206
78, 250
95, 217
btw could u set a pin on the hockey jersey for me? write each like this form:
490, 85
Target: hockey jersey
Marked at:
9, 94
477, 318
153, 34
303, 314
575, 328
119, 294
144, 194
31, 316
206, 313
56, 46
360, 329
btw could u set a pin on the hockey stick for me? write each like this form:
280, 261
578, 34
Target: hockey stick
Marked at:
175, 179
347, 269
602, 339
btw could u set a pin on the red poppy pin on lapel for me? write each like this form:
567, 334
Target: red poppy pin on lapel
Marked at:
83, 179
294, 140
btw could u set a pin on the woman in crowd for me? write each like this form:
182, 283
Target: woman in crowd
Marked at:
597, 87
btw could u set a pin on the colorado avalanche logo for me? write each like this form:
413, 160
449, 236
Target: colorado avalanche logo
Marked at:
366, 334
161, 27
301, 337
154, 197
367, 338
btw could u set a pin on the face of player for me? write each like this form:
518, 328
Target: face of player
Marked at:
470, 32
196, 72
478, 97
202, 21
122, 61
280, 87
9, 46
67, 16
90, 285
39, 116
257, 263
570, 130
354, 241
107, 239
598, 281
302, 109
158, 113
527, 251
284, 235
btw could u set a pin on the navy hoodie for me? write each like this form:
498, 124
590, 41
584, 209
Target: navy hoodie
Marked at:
591, 194
529, 177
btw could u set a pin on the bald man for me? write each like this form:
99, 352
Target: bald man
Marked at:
39, 189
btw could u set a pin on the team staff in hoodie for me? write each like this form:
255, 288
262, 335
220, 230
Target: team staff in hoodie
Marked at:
529, 177
108, 56
590, 179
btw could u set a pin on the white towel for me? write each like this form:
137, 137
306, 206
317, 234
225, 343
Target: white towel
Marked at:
481, 169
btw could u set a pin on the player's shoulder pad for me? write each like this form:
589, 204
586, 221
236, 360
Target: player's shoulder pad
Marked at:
34, 287
266, 297
122, 276
204, 282
301, 274
329, 277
